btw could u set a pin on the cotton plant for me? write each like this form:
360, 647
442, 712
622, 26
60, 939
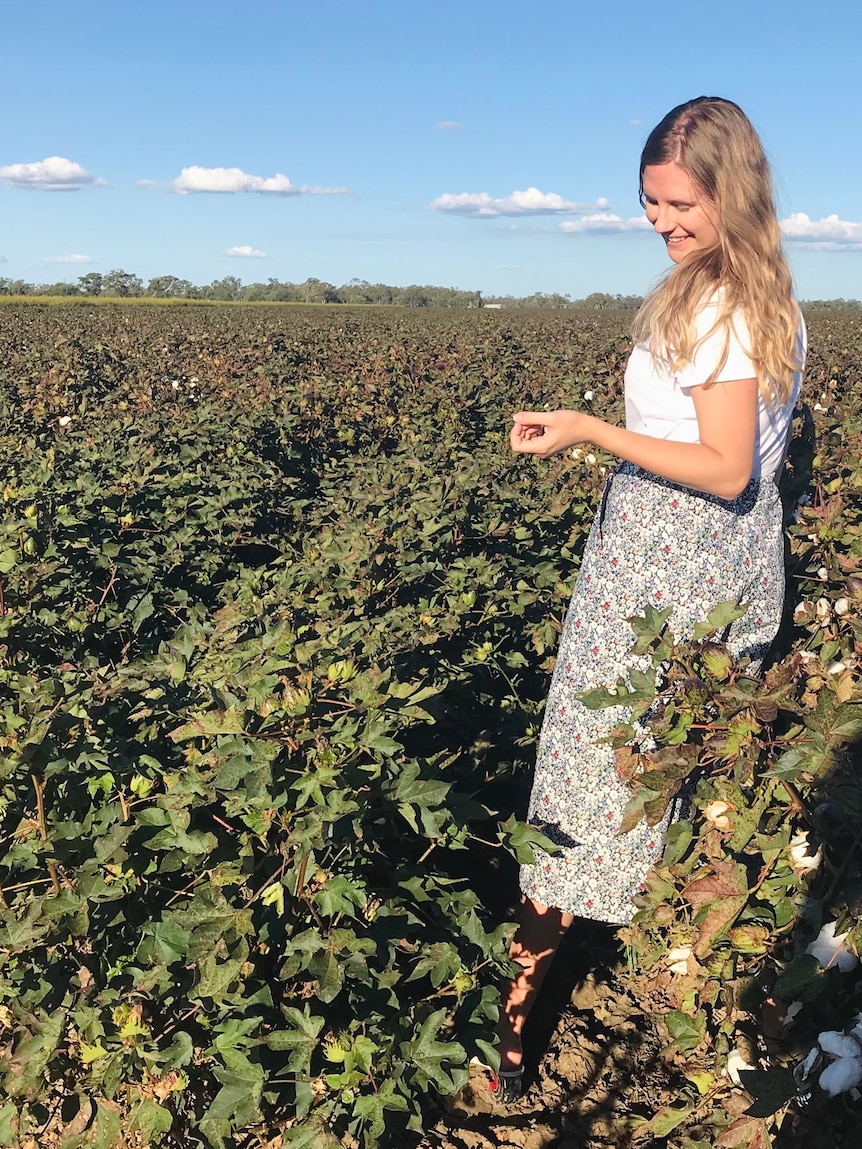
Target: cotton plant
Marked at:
837, 1058
835, 1061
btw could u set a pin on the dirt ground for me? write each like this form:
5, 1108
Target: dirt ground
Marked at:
595, 1064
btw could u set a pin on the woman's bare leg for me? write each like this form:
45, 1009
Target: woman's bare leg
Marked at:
540, 929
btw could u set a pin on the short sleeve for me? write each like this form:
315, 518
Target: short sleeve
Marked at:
707, 356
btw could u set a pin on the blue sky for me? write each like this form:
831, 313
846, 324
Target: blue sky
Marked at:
387, 141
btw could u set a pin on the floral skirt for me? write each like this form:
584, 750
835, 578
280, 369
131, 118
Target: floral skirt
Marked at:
659, 543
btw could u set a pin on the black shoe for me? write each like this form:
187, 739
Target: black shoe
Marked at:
507, 1085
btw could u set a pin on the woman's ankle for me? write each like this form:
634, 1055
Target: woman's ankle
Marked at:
509, 1047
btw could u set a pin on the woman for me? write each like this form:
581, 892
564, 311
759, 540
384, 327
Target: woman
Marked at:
690, 518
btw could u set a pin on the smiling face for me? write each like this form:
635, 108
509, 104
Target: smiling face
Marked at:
683, 216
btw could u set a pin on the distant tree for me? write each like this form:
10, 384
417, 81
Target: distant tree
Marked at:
122, 283
169, 287
61, 288
318, 291
90, 284
224, 290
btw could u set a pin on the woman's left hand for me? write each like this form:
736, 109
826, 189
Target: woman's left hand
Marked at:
546, 433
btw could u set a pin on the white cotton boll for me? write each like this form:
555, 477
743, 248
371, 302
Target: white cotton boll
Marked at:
839, 1044
807, 656
591, 459
588, 396
823, 609
175, 385
603, 471
716, 812
830, 950
678, 959
823, 573
801, 609
801, 858
841, 1075
836, 667
64, 420
817, 407
842, 605
736, 1063
577, 452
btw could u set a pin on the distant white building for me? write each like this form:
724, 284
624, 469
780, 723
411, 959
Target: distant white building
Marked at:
492, 306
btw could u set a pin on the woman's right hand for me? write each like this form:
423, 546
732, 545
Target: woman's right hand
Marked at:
546, 433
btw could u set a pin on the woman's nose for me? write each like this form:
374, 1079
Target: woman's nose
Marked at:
662, 221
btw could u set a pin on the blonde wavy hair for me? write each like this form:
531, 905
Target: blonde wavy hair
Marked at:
714, 141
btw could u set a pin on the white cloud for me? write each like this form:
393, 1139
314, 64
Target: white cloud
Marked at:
529, 202
146, 183
828, 234
635, 123
51, 174
196, 179
193, 180
3, 259
605, 223
313, 189
449, 126
76, 258
246, 251
601, 202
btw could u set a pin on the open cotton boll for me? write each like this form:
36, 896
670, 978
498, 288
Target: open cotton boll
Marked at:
801, 857
839, 1044
830, 950
678, 959
736, 1064
841, 1075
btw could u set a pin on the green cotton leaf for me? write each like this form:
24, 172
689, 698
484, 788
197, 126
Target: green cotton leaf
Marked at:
8, 559
143, 609
216, 975
163, 941
719, 618
22, 1074
149, 1119
237, 1103
422, 792
687, 1032
677, 841
375, 738
8, 1124
521, 840
803, 980
650, 625
600, 698
103, 1132
787, 768
664, 1121
209, 724
428, 1055
179, 1053
441, 961
329, 973
340, 896
310, 1135
301, 1040
371, 1107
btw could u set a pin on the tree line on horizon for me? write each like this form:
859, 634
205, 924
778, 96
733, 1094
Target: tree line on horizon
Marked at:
230, 289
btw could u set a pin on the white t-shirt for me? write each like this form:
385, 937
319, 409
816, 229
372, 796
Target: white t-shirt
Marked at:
659, 402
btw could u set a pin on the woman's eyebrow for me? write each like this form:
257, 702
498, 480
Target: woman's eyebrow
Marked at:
672, 202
